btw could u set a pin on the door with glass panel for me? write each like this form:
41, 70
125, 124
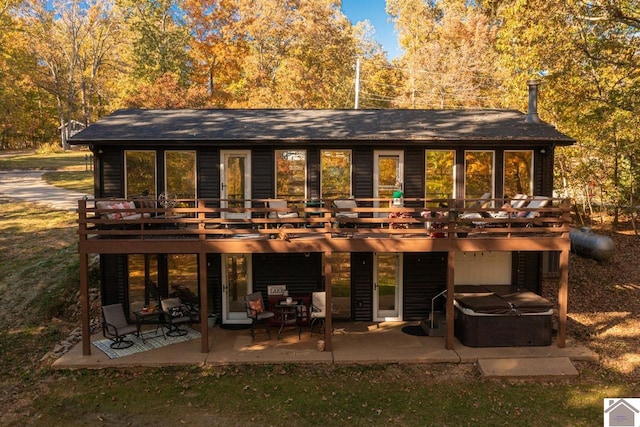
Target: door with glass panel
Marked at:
388, 172
236, 283
235, 182
387, 287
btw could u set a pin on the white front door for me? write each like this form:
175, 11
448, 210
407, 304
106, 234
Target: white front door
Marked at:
388, 173
236, 283
235, 182
387, 287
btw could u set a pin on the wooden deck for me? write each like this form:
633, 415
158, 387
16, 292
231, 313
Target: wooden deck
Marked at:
205, 226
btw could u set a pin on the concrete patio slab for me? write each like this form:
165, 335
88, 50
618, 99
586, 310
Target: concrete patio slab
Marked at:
353, 343
527, 367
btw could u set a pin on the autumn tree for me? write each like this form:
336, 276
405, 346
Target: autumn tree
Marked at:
449, 57
216, 50
301, 54
588, 57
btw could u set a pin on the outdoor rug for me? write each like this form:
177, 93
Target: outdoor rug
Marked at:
151, 342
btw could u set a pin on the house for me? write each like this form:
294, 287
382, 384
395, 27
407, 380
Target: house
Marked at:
202, 183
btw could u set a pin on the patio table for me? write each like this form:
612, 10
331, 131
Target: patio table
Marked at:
290, 315
149, 315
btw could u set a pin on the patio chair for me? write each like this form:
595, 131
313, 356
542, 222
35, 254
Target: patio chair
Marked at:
345, 207
281, 212
318, 309
256, 311
176, 314
116, 327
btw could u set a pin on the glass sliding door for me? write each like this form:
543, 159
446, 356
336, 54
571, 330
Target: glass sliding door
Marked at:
387, 287
236, 283
388, 176
235, 182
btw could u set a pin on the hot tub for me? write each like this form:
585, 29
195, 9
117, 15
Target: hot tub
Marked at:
484, 318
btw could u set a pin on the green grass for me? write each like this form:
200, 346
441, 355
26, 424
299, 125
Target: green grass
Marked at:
80, 181
70, 160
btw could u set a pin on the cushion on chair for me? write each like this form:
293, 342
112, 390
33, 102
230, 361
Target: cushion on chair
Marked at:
257, 306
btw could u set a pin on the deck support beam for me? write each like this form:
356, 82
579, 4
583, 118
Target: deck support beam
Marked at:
204, 302
563, 298
84, 305
328, 323
451, 261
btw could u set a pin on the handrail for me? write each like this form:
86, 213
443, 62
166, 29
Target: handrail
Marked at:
207, 218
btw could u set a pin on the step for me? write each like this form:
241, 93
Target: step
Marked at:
527, 367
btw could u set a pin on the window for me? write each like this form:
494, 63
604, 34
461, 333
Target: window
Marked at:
180, 174
439, 174
478, 177
291, 174
517, 172
140, 173
335, 170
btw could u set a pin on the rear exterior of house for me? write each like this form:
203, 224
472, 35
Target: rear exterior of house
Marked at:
207, 177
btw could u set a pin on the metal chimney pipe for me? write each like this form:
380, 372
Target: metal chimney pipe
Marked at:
532, 111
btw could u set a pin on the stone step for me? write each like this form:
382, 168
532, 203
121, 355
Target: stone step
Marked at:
527, 367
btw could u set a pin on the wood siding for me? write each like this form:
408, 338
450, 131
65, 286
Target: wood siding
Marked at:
362, 286
425, 276
301, 274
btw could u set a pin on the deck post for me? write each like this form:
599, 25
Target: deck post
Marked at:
563, 295
328, 322
84, 304
204, 309
450, 296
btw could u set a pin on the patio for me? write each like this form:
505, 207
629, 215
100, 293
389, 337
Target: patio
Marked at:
353, 343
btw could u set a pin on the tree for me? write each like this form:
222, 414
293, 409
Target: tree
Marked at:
588, 57
301, 54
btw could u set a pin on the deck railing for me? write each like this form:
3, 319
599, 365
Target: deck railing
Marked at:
212, 218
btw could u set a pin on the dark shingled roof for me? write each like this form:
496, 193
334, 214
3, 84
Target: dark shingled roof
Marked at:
317, 125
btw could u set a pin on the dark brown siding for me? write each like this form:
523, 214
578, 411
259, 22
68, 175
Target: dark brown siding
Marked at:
363, 172
527, 270
112, 174
114, 268
214, 284
413, 173
301, 274
362, 286
262, 173
209, 174
425, 276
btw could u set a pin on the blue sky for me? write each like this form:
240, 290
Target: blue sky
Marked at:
374, 11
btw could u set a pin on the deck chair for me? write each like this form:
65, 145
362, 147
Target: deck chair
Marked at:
176, 314
532, 212
281, 205
256, 311
347, 213
318, 309
115, 326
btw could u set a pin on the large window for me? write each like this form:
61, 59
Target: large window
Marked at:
335, 169
291, 174
140, 173
439, 174
180, 174
478, 178
517, 172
